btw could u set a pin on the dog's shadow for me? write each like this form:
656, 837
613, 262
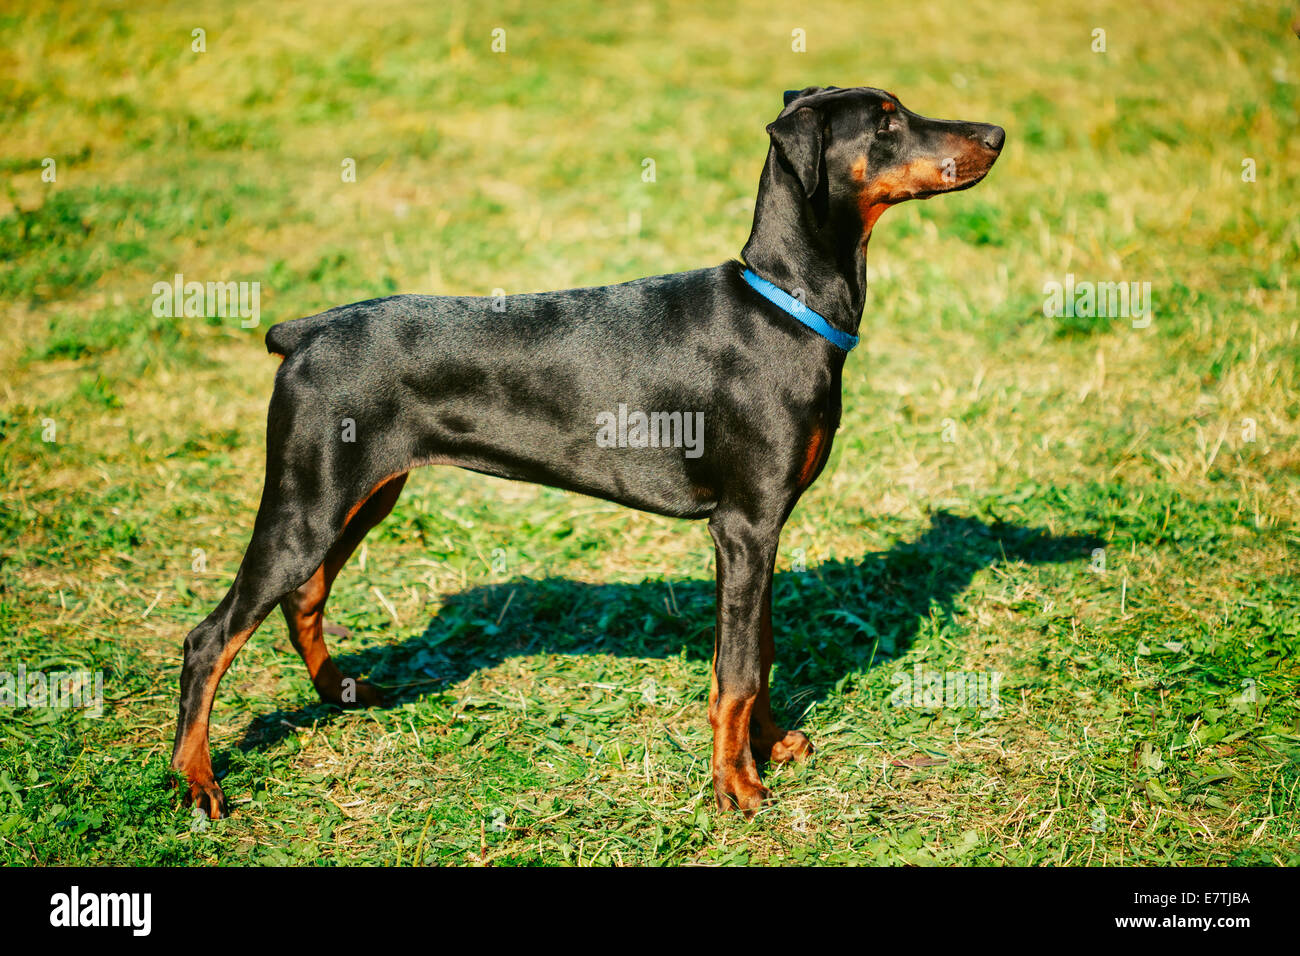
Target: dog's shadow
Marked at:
874, 607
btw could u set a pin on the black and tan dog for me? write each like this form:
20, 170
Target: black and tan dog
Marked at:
754, 352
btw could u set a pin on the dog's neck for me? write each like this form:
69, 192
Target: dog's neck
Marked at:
809, 246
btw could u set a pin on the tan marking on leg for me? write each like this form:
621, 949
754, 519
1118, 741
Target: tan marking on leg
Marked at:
194, 756
735, 776
304, 608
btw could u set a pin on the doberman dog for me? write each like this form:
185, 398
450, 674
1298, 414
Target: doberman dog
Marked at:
537, 387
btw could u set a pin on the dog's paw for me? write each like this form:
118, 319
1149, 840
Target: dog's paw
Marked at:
367, 695
739, 793
348, 692
795, 745
203, 791
784, 746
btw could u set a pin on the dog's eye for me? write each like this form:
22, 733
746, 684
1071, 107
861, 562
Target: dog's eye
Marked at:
888, 124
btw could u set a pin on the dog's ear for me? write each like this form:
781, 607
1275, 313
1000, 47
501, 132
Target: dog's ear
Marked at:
797, 137
792, 95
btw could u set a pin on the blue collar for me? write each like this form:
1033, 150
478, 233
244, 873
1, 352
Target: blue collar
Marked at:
788, 303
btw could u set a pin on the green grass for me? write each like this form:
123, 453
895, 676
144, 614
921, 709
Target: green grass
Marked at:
550, 653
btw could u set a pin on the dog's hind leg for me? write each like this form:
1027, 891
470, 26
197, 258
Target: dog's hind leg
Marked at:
304, 608
286, 546
314, 486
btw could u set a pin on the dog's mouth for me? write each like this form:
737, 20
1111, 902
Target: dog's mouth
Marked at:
970, 161
962, 162
963, 182
948, 176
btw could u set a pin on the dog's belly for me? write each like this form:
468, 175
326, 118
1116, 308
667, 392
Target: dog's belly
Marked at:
652, 460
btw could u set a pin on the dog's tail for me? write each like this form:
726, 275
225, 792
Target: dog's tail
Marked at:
283, 338
287, 337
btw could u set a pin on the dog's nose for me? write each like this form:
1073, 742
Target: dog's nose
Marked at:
994, 137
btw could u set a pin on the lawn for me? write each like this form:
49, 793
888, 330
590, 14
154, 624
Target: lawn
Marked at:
1095, 517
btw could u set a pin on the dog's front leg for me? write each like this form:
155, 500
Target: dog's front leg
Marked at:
746, 550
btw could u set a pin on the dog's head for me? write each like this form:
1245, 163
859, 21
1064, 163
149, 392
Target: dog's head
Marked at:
862, 146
